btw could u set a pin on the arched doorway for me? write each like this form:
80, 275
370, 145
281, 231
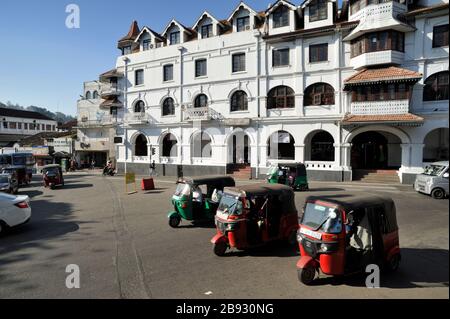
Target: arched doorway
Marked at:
319, 146
281, 146
436, 146
201, 145
169, 146
239, 148
376, 151
140, 146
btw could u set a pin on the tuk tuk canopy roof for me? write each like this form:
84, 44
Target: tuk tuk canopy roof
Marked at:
299, 167
354, 203
51, 166
225, 181
284, 193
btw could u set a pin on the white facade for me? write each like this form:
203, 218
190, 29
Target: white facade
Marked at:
144, 131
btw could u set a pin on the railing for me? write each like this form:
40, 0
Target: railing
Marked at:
111, 90
143, 159
98, 121
197, 113
201, 160
313, 165
137, 118
380, 107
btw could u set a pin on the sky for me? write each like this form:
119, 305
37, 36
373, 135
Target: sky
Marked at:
44, 63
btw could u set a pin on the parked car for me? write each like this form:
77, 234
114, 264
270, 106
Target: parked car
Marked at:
9, 183
14, 211
434, 180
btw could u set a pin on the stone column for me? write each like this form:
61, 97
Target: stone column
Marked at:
300, 153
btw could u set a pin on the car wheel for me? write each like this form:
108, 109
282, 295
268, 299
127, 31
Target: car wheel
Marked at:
438, 193
394, 263
306, 275
220, 249
174, 221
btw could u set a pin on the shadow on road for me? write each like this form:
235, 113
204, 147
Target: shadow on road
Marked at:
419, 268
324, 189
272, 249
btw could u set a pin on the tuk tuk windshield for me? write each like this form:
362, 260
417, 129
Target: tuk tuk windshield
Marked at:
326, 219
230, 205
51, 171
182, 190
4, 179
434, 170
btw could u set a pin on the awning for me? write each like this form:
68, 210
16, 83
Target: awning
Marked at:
110, 74
372, 25
61, 154
389, 119
389, 74
114, 102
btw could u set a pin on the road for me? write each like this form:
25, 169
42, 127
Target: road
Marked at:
125, 249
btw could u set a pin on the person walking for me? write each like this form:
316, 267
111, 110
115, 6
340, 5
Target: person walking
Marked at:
93, 164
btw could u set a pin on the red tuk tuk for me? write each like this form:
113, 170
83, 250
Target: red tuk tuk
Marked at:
341, 236
52, 176
253, 215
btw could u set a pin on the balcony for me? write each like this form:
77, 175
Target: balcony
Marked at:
384, 10
110, 91
377, 58
137, 118
197, 114
100, 121
380, 107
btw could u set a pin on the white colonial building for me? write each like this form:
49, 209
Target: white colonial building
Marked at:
96, 123
350, 90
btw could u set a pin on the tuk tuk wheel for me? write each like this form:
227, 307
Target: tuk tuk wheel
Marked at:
438, 193
394, 263
306, 275
220, 249
174, 221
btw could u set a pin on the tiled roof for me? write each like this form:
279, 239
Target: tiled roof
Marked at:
394, 118
133, 33
40, 138
422, 10
23, 114
383, 74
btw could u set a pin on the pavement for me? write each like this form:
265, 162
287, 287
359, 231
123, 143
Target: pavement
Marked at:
125, 249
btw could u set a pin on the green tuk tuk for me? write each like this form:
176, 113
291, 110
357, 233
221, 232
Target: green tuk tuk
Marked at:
190, 201
290, 174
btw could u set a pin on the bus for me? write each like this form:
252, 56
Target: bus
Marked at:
18, 159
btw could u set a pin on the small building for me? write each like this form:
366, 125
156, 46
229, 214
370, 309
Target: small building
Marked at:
18, 124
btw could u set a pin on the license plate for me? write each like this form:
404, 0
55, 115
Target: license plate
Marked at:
311, 233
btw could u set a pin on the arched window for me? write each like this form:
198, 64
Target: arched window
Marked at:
139, 107
168, 107
201, 101
140, 146
169, 146
88, 95
319, 94
281, 145
281, 97
201, 145
95, 95
239, 101
322, 147
436, 87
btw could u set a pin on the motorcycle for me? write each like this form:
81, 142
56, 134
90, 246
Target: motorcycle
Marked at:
108, 171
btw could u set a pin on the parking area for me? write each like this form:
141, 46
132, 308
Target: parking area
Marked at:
125, 248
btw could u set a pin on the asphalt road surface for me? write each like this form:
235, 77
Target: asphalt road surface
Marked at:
125, 249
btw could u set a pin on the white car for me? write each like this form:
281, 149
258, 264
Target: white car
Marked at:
14, 211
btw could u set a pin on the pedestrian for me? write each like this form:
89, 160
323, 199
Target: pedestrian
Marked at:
93, 164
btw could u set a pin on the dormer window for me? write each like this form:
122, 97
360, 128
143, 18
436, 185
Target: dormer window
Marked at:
318, 10
146, 45
243, 24
126, 50
207, 31
175, 37
281, 17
